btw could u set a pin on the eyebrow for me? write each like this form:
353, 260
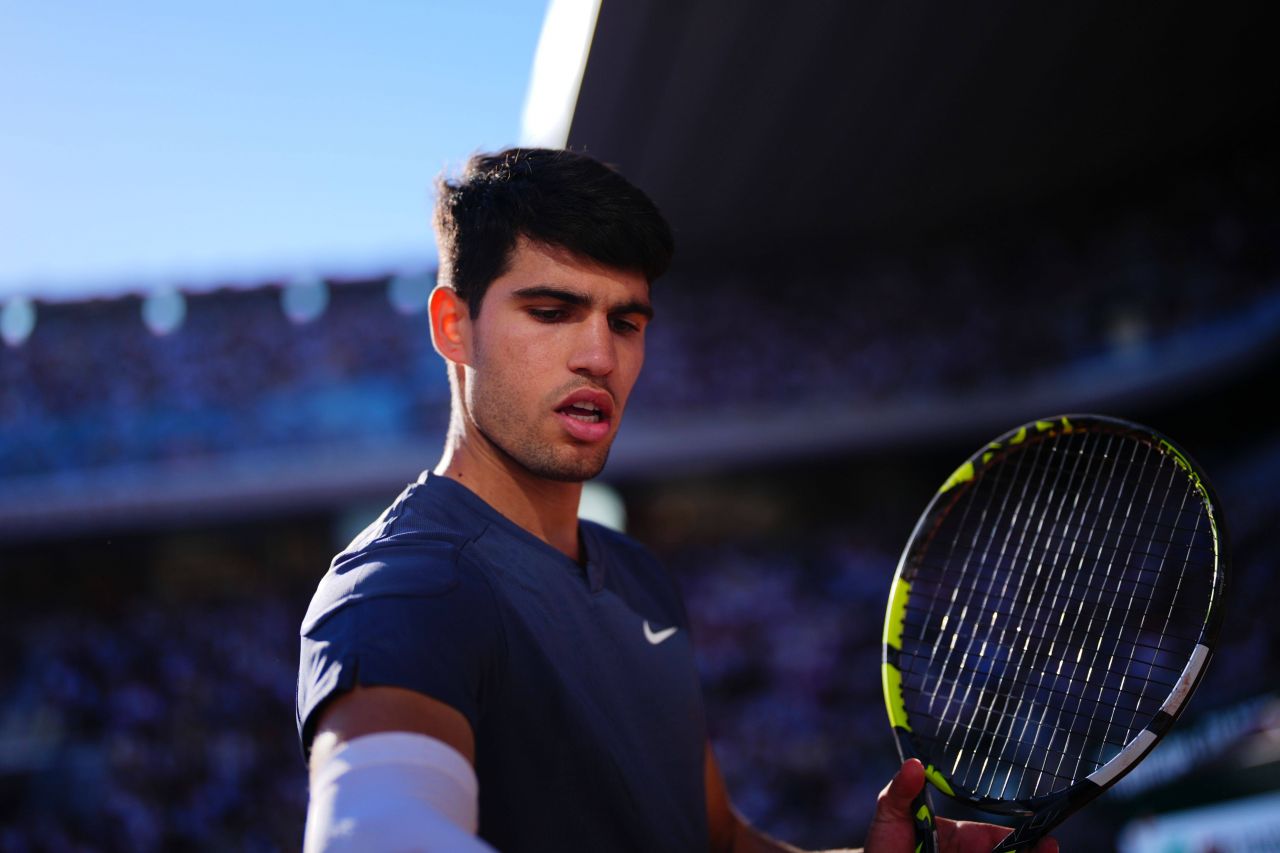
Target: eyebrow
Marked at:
580, 299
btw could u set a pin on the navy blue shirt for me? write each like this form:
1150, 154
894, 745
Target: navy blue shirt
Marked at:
585, 704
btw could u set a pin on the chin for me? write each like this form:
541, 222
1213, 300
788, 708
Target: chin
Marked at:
577, 469
571, 473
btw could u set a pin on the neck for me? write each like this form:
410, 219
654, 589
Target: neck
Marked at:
546, 508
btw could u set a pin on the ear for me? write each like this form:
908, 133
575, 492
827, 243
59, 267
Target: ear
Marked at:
450, 325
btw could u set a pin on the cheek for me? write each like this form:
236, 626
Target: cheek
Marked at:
505, 377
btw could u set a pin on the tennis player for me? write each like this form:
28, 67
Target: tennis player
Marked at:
480, 669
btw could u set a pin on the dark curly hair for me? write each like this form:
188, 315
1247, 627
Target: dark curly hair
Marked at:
559, 198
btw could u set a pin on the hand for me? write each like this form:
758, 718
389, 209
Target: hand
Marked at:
893, 830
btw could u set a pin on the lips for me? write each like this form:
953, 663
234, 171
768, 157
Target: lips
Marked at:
586, 414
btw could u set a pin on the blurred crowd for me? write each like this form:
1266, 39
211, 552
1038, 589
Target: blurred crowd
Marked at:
977, 312
246, 369
164, 720
155, 728
92, 386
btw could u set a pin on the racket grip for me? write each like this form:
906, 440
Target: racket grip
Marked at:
922, 814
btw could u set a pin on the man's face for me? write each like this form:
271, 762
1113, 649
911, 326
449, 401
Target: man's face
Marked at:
556, 348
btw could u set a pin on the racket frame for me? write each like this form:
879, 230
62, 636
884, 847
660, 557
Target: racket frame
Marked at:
1044, 812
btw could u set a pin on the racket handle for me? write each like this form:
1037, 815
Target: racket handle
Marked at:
922, 814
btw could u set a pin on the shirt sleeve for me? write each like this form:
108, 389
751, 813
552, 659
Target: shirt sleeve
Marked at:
408, 617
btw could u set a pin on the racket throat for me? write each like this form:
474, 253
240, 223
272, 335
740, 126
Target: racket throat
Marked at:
1026, 834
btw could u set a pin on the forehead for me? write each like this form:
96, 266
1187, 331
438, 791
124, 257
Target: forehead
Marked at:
533, 264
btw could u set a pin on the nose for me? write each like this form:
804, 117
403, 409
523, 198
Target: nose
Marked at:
594, 352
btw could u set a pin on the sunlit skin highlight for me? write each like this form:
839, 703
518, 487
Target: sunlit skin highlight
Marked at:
553, 329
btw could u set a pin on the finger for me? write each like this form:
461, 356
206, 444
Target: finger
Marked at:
895, 799
962, 835
967, 834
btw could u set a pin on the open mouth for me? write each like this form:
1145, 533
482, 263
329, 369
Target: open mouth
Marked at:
587, 412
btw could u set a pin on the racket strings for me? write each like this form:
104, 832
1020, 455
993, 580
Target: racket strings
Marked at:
1106, 734
1049, 693
991, 716
1130, 728
1202, 551
1047, 747
1128, 673
1143, 578
1136, 647
995, 715
963, 582
1080, 602
1026, 612
1164, 633
962, 579
1044, 536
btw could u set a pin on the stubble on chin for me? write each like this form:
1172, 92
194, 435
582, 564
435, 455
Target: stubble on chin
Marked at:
540, 458
519, 441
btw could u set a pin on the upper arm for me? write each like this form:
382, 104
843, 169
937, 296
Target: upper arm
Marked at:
369, 710
413, 646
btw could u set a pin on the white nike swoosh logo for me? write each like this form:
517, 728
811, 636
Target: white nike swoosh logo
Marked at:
655, 637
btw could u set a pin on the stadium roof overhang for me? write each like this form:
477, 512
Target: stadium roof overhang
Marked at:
821, 124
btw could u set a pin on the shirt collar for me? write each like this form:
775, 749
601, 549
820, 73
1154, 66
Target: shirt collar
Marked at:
451, 491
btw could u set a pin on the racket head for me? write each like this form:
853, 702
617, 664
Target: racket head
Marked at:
1052, 611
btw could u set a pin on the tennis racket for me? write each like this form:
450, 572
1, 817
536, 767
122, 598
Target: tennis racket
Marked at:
1053, 610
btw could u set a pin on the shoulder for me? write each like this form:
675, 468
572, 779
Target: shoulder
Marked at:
399, 607
400, 555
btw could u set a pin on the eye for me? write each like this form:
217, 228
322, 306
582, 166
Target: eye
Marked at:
547, 315
625, 327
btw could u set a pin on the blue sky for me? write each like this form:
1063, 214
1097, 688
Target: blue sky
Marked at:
151, 143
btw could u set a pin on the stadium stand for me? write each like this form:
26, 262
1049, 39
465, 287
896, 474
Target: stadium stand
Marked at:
146, 704
239, 376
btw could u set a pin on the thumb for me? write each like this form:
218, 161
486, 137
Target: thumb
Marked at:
895, 799
893, 826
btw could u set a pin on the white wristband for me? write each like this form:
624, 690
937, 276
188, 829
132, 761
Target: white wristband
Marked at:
393, 791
